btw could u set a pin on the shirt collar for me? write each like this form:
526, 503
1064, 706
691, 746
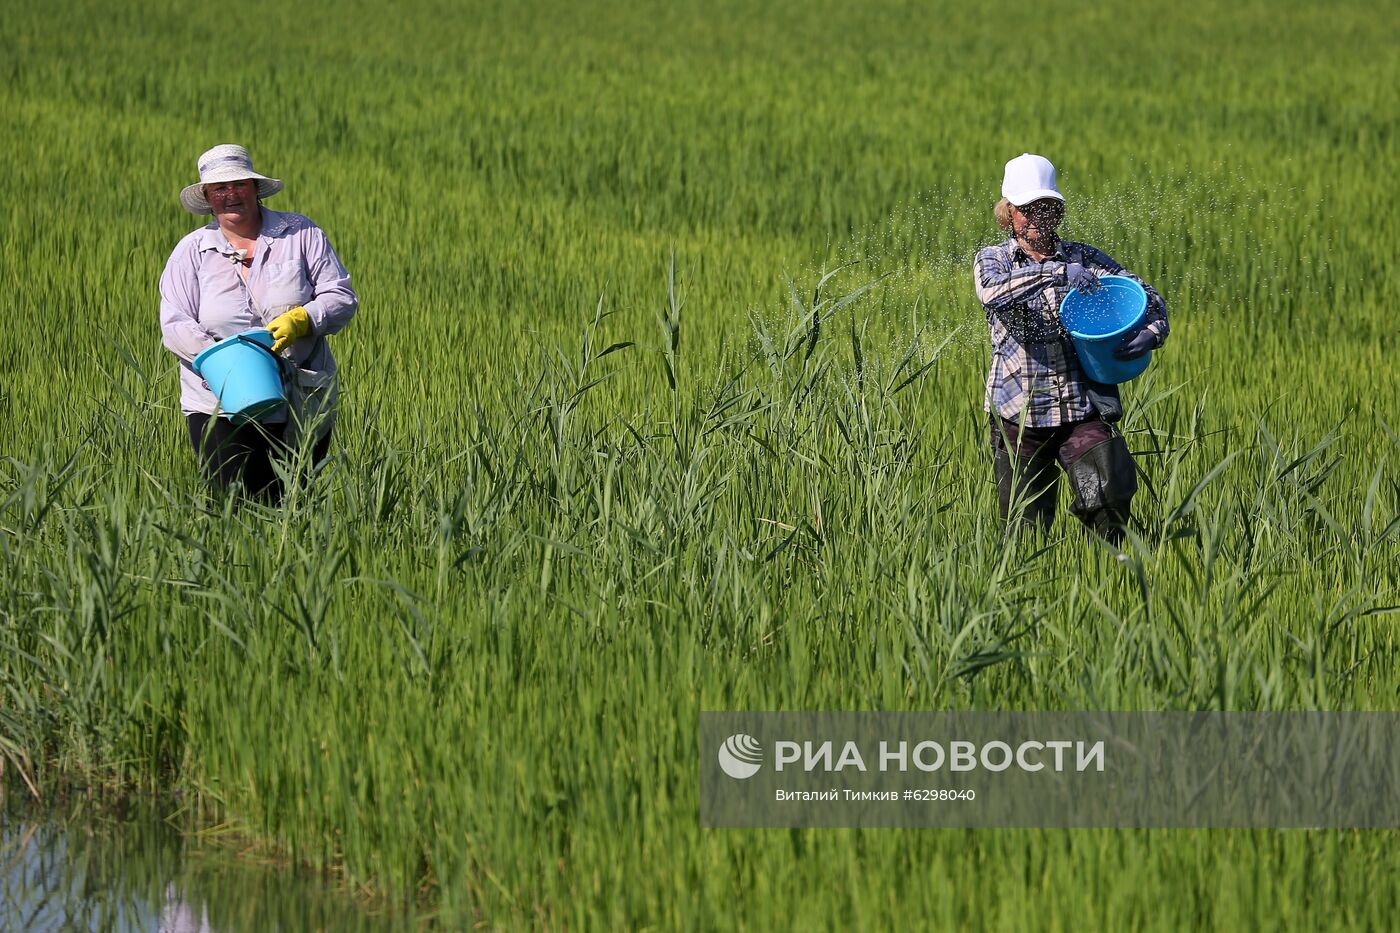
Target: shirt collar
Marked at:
275, 223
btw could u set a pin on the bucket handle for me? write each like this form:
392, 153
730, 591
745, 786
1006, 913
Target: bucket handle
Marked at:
253, 343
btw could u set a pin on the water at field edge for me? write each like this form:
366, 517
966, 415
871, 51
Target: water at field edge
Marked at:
137, 873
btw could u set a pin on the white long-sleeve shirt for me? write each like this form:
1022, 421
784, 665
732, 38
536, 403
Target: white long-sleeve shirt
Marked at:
204, 299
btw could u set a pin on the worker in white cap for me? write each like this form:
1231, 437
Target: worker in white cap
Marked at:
1045, 413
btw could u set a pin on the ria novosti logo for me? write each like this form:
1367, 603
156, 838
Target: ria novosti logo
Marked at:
740, 756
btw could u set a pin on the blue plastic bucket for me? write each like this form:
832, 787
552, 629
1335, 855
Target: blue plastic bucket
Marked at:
244, 375
1098, 323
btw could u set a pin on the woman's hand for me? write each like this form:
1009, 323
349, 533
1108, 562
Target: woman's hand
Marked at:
289, 326
1081, 279
1136, 344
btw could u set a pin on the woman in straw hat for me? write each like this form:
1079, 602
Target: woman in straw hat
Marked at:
1046, 415
251, 267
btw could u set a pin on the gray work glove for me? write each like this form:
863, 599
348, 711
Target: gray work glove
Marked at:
1081, 279
1136, 344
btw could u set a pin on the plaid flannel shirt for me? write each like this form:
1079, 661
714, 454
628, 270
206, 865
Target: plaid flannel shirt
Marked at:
1036, 378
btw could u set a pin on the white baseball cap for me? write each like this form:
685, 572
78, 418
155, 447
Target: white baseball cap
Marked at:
1029, 178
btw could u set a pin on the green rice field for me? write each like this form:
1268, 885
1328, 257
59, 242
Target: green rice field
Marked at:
665, 395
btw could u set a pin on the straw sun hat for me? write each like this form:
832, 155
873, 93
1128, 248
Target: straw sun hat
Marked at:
225, 163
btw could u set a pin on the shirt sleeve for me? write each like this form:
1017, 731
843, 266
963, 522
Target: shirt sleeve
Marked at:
334, 303
1156, 322
999, 286
179, 305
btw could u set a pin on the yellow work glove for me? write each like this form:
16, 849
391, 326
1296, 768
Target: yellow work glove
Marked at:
287, 327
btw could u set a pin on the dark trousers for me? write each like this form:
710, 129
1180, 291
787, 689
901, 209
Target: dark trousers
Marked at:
231, 454
1028, 462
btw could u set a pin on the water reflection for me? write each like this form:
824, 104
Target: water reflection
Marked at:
68, 871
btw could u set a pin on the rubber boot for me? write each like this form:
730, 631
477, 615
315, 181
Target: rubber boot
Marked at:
1104, 481
1027, 485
